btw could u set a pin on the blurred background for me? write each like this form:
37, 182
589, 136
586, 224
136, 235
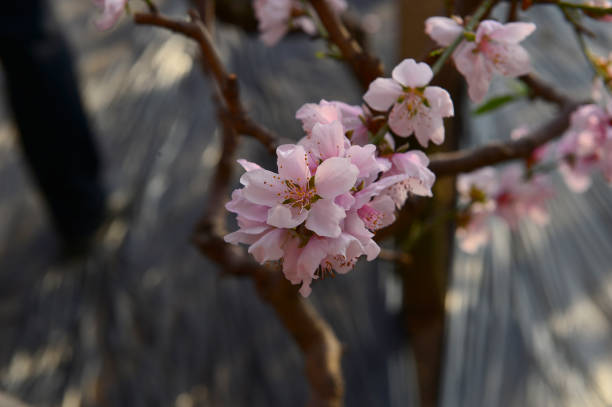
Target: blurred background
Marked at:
142, 319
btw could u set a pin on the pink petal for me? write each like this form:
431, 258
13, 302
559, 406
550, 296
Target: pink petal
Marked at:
261, 187
509, 59
472, 66
335, 176
382, 93
243, 207
428, 127
309, 261
364, 159
324, 218
439, 100
513, 32
442, 30
329, 139
268, 247
247, 165
293, 163
111, 13
412, 74
401, 120
283, 216
311, 113
487, 28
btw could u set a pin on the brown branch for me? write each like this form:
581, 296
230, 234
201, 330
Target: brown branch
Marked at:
467, 160
366, 67
321, 349
401, 258
543, 91
227, 83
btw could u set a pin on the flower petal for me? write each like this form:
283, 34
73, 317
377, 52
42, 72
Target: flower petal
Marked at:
439, 100
324, 218
282, 216
261, 187
412, 74
268, 247
442, 30
293, 163
329, 140
382, 93
335, 176
513, 33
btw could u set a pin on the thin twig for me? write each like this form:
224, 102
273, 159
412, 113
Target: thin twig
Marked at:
467, 160
226, 82
366, 67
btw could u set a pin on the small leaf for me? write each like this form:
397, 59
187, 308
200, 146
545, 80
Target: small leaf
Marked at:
496, 102
436, 52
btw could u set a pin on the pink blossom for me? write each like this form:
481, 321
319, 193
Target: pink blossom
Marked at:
495, 49
295, 195
582, 149
477, 192
472, 230
518, 197
276, 17
351, 117
416, 107
419, 179
484, 193
318, 257
111, 12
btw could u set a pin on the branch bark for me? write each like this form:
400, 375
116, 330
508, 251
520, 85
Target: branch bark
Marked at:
443, 164
366, 67
226, 82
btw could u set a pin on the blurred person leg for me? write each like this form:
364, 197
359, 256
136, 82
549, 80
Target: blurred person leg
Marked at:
54, 132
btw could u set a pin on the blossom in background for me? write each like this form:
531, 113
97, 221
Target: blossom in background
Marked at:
518, 197
276, 17
319, 213
507, 194
476, 192
111, 12
415, 107
494, 49
585, 147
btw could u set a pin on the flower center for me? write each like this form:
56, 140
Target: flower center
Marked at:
371, 217
300, 196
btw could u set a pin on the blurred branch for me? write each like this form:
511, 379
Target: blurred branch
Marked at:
543, 91
321, 349
401, 258
467, 160
227, 83
366, 67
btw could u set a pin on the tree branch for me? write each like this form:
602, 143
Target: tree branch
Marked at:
467, 160
543, 91
321, 349
366, 67
227, 83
